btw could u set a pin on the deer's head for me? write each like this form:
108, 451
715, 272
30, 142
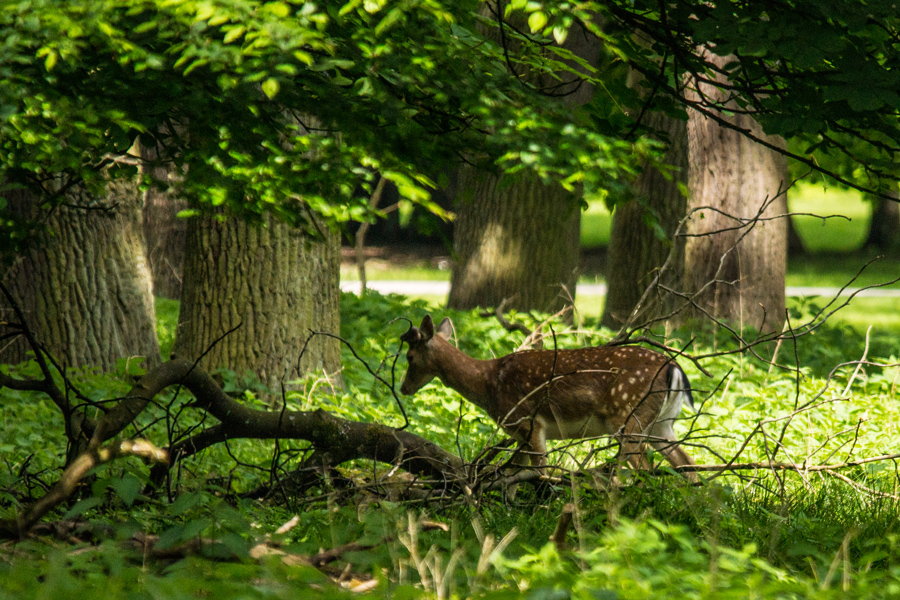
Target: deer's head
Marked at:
420, 356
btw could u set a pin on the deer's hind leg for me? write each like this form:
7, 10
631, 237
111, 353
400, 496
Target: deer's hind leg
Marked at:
663, 440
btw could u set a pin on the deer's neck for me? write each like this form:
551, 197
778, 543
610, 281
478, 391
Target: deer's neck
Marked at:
469, 376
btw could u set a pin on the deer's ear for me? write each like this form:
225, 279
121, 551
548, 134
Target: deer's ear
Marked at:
445, 329
412, 336
427, 328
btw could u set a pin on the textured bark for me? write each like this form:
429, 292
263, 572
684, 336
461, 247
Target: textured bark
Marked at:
635, 251
164, 233
521, 240
884, 231
737, 264
85, 287
518, 241
273, 283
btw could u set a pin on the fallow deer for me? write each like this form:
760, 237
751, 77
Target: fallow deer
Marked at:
628, 392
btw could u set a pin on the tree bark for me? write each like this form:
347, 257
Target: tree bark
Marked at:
636, 252
85, 285
735, 262
518, 241
164, 232
884, 231
274, 284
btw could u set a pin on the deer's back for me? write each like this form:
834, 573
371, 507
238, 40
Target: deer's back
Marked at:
601, 386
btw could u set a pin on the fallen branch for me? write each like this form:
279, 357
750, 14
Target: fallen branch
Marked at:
340, 439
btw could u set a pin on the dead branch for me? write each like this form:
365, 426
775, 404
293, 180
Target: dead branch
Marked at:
510, 326
341, 439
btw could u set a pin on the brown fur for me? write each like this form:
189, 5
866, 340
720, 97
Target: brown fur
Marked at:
565, 394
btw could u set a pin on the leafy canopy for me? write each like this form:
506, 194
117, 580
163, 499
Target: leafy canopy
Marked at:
826, 72
288, 106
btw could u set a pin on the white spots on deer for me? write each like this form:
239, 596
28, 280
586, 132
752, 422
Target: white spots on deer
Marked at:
591, 394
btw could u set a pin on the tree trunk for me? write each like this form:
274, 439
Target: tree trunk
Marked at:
85, 286
272, 282
636, 252
737, 264
164, 233
518, 241
521, 240
884, 231
795, 245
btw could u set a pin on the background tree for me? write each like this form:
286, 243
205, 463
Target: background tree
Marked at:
884, 231
517, 238
643, 230
164, 232
736, 249
804, 78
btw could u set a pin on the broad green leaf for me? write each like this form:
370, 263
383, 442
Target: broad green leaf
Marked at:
270, 87
536, 21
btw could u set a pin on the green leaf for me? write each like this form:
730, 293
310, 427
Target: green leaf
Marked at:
82, 506
270, 87
128, 488
234, 33
536, 21
50, 61
560, 34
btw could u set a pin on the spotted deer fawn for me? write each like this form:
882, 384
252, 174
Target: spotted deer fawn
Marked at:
628, 392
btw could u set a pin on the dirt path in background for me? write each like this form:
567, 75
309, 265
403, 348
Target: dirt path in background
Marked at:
382, 258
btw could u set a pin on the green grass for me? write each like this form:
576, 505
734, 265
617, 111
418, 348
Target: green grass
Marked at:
381, 271
764, 537
596, 223
846, 220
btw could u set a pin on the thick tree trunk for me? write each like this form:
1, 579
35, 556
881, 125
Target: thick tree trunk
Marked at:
521, 240
272, 282
884, 231
164, 233
85, 287
518, 241
636, 252
735, 263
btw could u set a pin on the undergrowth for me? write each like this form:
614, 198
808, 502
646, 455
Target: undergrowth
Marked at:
750, 533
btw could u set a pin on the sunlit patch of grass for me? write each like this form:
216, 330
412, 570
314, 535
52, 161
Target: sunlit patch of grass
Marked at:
377, 270
596, 223
844, 233
166, 324
882, 313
